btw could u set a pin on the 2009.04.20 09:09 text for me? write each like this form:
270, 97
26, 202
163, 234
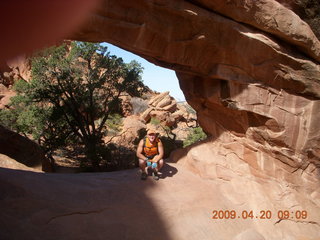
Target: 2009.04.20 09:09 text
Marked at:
263, 214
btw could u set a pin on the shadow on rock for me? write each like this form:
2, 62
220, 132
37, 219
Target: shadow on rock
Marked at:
168, 171
98, 206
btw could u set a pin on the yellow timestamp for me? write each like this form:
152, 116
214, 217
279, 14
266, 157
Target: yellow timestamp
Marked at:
262, 214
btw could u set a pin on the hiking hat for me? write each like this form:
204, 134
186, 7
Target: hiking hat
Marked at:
151, 131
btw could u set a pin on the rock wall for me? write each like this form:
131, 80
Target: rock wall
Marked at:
14, 70
249, 68
22, 150
251, 71
7, 162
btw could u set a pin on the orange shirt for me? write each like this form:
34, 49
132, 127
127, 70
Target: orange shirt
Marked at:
151, 149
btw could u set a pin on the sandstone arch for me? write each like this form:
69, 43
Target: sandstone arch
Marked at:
253, 79
249, 68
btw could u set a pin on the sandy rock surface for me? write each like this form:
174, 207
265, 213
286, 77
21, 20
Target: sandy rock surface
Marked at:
7, 162
119, 205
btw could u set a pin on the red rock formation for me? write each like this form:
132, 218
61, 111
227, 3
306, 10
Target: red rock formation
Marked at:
15, 69
251, 71
164, 108
189, 38
23, 150
5, 95
227, 68
7, 162
118, 205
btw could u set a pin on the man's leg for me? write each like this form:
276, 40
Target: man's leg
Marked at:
160, 165
143, 165
144, 169
155, 173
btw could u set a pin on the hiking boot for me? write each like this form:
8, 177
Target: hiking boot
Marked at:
144, 176
155, 176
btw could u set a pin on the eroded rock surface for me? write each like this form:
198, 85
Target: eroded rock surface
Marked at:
249, 68
164, 108
251, 71
23, 150
7, 162
14, 70
119, 206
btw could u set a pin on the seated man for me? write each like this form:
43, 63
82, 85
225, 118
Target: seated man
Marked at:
150, 153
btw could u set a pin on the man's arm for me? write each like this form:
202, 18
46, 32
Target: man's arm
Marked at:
161, 153
140, 151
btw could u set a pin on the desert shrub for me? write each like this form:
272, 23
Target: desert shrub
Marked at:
23, 116
138, 105
119, 157
8, 118
195, 135
155, 121
114, 124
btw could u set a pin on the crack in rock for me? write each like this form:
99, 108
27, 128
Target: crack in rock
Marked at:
74, 213
297, 221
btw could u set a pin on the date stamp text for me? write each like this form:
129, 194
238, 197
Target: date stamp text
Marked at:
262, 214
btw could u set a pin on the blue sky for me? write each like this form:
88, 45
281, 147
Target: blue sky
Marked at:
157, 78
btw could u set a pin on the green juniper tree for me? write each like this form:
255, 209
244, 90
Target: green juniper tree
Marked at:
74, 90
195, 135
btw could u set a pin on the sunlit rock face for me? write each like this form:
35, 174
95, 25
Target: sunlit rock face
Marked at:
251, 70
